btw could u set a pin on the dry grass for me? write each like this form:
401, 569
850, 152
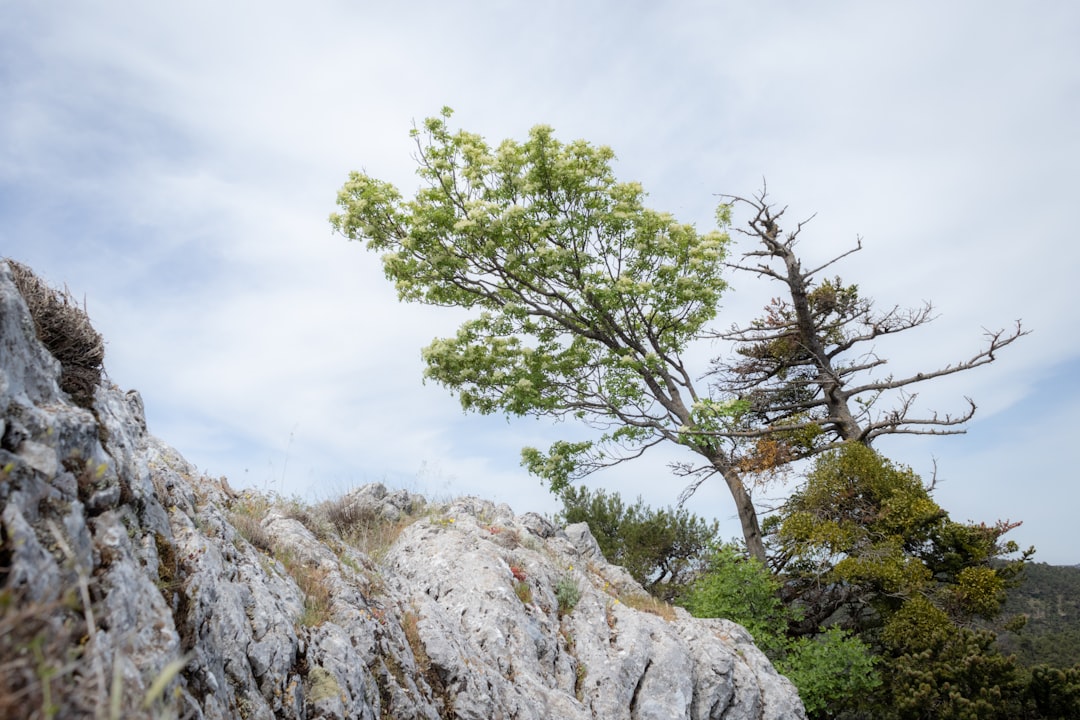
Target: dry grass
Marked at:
64, 328
312, 582
363, 526
649, 604
580, 673
410, 624
246, 516
46, 667
41, 655
250, 528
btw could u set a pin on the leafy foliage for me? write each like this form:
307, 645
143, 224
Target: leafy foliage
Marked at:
875, 540
863, 545
832, 671
584, 299
741, 589
663, 549
585, 296
864, 542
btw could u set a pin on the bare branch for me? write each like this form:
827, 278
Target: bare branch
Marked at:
998, 340
790, 364
838, 258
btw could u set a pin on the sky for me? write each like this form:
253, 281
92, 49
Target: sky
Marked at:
175, 165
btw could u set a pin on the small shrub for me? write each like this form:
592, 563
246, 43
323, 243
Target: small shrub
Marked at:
524, 592
834, 671
831, 670
664, 550
742, 590
567, 593
518, 572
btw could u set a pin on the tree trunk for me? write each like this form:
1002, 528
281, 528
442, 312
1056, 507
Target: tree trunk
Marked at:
747, 513
810, 338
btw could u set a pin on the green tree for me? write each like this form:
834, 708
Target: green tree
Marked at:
664, 550
863, 540
957, 676
864, 546
584, 299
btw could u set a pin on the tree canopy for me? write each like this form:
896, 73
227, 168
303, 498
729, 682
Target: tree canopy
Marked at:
586, 299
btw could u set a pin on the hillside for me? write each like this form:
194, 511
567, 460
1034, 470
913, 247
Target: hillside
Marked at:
132, 586
1050, 599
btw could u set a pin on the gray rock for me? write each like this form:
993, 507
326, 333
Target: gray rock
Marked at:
472, 612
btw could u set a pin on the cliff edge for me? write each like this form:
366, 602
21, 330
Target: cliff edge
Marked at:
131, 586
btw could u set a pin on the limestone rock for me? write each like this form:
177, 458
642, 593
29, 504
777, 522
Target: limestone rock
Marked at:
178, 596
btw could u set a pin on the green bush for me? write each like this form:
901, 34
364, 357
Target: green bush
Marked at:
741, 589
833, 671
664, 550
1055, 692
960, 676
567, 594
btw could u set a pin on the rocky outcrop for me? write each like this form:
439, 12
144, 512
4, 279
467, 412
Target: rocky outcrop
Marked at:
130, 583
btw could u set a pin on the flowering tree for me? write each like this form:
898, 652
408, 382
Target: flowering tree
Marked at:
585, 299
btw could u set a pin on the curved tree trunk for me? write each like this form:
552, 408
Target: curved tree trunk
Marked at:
748, 518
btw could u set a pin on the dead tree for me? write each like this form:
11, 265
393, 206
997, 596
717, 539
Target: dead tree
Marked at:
801, 372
